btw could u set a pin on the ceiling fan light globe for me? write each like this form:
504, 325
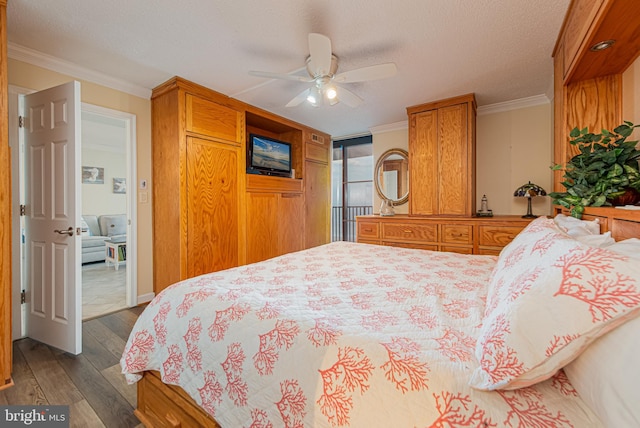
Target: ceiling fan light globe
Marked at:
331, 93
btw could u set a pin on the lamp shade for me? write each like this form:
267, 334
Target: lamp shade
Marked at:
528, 191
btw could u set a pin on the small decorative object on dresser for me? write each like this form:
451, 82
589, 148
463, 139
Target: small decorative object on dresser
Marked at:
528, 191
484, 208
386, 208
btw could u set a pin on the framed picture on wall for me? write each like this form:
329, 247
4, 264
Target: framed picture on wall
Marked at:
119, 185
92, 175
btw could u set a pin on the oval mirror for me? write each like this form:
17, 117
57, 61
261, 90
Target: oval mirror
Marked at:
392, 176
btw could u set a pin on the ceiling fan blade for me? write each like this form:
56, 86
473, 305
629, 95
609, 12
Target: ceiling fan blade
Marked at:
348, 97
374, 72
282, 76
302, 96
319, 54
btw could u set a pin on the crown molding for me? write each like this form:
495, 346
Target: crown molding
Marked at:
37, 58
536, 100
390, 127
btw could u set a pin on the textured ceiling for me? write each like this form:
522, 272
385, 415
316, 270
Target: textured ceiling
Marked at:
499, 49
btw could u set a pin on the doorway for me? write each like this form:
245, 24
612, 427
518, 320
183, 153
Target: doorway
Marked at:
92, 115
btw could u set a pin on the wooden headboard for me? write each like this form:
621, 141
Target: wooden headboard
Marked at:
622, 223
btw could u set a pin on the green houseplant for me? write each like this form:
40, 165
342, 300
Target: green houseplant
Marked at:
604, 173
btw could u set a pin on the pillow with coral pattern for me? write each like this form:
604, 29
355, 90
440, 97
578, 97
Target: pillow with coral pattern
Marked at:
549, 297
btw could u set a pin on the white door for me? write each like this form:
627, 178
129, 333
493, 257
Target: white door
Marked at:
52, 199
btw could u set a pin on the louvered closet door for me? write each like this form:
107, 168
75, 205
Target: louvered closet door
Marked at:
212, 206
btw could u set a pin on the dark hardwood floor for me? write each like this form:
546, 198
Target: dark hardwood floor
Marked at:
90, 383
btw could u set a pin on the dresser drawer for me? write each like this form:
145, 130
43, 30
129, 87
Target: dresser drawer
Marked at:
455, 249
415, 245
497, 236
456, 234
410, 232
368, 230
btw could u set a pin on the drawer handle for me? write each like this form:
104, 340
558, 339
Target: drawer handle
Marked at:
367, 229
408, 231
457, 235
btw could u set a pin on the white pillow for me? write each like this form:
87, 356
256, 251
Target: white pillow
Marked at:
549, 297
576, 227
601, 241
629, 247
606, 376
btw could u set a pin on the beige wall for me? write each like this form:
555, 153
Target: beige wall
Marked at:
99, 199
37, 78
512, 147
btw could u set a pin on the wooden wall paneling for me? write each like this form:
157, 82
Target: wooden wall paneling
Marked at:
594, 103
5, 211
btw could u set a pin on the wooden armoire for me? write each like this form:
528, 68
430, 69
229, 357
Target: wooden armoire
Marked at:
442, 157
209, 214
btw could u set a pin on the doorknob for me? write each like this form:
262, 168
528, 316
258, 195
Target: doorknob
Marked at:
65, 232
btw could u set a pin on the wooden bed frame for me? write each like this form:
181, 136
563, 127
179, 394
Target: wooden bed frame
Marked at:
162, 405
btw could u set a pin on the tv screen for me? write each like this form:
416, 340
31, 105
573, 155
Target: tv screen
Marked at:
269, 156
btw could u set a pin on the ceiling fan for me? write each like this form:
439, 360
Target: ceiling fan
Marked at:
322, 66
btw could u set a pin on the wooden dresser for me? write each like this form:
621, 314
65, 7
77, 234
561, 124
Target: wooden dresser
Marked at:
467, 235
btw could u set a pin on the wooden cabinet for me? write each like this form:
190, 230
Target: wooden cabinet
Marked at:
588, 84
442, 157
198, 157
212, 200
475, 235
317, 190
275, 224
208, 213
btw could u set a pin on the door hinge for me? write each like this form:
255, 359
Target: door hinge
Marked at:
20, 121
23, 297
23, 210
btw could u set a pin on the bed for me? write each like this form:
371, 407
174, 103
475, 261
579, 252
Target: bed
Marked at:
355, 335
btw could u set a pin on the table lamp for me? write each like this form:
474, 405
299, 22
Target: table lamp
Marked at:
528, 191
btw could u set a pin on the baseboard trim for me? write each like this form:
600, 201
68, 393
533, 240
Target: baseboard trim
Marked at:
145, 298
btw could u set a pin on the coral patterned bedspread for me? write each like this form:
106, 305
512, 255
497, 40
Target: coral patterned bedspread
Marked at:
342, 335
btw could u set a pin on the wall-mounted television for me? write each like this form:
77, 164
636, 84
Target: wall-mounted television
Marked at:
268, 156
